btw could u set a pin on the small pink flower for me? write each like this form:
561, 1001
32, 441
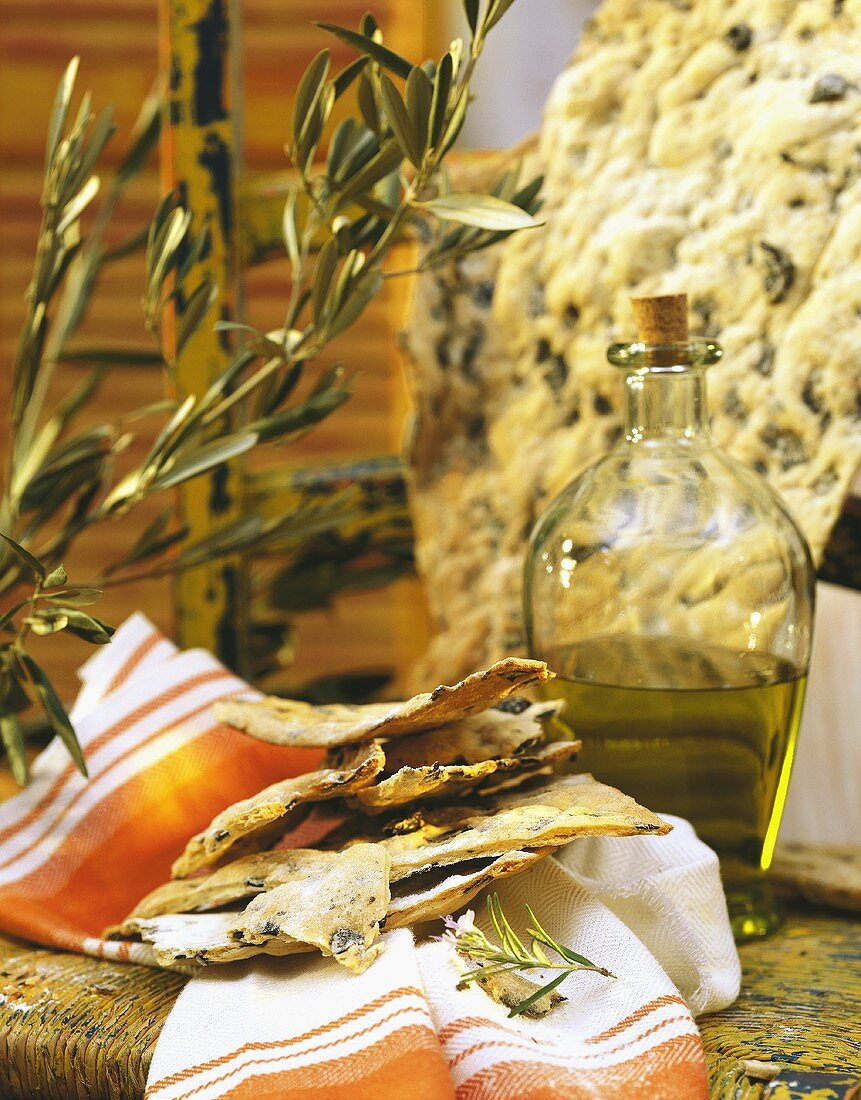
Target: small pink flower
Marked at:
457, 927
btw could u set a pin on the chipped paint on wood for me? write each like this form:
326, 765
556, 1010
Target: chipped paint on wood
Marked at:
198, 158
74, 1028
800, 1008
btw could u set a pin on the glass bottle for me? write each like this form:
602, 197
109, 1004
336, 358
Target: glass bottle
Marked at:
672, 593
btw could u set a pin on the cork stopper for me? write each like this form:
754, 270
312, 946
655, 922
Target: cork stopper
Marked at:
663, 319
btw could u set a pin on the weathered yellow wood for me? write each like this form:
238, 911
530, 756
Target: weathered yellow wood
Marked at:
73, 1028
377, 488
800, 1008
199, 159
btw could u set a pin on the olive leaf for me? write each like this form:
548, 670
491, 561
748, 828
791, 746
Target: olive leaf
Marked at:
56, 577
25, 557
44, 623
386, 57
382, 182
12, 737
78, 204
75, 597
301, 417
290, 230
440, 101
85, 626
419, 103
60, 110
309, 91
347, 75
496, 10
368, 103
8, 615
54, 710
204, 458
400, 122
481, 211
196, 308
312, 108
386, 161
471, 7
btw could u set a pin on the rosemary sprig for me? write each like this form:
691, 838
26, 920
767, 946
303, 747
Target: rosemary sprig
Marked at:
510, 954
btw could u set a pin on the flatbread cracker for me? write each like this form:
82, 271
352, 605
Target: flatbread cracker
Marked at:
337, 910
203, 938
557, 811
436, 782
258, 816
504, 730
266, 871
285, 722
821, 874
424, 897
267, 924
241, 878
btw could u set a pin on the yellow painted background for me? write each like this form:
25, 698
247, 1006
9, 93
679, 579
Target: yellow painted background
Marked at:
118, 44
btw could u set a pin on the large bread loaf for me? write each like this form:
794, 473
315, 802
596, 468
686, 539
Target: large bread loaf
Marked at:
706, 146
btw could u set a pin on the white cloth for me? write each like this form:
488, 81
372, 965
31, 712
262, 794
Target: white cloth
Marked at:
650, 909
667, 891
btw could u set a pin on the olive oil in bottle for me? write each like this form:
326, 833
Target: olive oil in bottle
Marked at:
671, 591
705, 734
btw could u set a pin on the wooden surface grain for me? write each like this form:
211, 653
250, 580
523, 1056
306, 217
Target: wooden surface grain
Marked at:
799, 1009
74, 1028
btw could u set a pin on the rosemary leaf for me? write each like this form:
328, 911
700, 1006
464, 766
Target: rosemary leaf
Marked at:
537, 995
511, 955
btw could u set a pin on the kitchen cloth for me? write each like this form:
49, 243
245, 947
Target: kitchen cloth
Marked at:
76, 854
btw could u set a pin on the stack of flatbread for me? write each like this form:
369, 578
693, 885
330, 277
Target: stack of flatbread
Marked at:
415, 808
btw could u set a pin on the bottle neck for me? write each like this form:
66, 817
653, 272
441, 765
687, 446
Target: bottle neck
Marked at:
665, 403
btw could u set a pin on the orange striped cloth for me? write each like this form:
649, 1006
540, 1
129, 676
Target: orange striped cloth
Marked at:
75, 855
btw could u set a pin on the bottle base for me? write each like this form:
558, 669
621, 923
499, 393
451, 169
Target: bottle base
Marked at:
753, 911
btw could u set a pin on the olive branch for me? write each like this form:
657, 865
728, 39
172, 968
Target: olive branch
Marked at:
511, 955
381, 182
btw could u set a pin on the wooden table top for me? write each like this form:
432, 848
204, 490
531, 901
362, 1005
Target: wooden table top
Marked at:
79, 1029
799, 1009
